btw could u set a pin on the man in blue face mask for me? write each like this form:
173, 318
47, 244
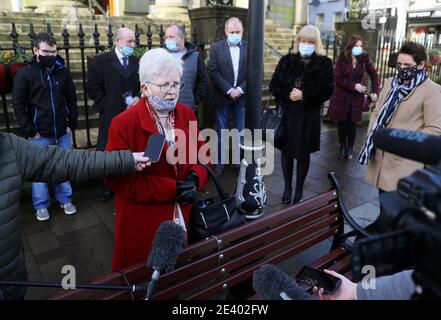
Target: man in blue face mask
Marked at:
194, 78
112, 84
227, 69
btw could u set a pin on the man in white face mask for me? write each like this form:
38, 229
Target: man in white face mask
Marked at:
227, 69
112, 84
195, 78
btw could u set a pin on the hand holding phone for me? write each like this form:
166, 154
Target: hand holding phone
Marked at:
319, 279
154, 147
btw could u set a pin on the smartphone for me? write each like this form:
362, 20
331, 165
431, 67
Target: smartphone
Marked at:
154, 147
319, 279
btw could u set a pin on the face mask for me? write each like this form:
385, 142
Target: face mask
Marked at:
47, 61
160, 104
306, 50
234, 39
171, 45
356, 51
405, 74
127, 51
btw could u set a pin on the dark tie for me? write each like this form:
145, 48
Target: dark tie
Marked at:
125, 64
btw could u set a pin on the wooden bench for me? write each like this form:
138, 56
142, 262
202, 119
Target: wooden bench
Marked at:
209, 267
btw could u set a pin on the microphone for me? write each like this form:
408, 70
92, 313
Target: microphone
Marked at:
413, 145
273, 284
167, 244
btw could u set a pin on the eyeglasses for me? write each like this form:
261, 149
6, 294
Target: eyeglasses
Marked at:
169, 86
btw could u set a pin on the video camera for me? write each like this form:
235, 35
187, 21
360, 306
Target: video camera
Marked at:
410, 218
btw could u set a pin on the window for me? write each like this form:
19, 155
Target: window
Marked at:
337, 17
320, 19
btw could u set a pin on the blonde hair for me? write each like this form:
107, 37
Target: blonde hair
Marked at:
309, 34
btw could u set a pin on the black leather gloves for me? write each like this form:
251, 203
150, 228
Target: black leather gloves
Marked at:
187, 190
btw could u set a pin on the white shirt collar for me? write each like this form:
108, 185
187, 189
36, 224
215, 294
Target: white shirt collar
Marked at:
119, 55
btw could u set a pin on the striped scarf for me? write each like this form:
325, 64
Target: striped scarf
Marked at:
396, 94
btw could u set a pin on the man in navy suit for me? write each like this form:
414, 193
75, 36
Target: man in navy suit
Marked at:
227, 69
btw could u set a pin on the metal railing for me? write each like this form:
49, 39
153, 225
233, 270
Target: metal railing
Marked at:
67, 48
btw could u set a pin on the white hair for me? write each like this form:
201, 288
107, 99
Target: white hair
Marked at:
233, 20
158, 62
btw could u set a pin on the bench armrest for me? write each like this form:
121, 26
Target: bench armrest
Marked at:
357, 229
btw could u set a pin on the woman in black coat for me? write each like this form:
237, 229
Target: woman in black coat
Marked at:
303, 80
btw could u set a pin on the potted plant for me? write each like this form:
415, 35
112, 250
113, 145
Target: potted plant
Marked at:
10, 63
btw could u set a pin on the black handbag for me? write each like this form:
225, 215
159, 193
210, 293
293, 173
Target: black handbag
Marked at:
272, 120
213, 215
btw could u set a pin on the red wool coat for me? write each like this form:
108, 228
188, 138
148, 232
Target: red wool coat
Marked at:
144, 200
345, 97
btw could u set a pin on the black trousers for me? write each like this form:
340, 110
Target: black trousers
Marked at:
347, 131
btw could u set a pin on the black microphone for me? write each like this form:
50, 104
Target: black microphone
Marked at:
413, 145
167, 244
273, 284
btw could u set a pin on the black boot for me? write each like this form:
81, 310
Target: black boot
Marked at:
298, 196
342, 153
287, 193
302, 172
349, 151
288, 170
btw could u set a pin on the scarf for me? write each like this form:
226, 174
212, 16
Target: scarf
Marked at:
399, 90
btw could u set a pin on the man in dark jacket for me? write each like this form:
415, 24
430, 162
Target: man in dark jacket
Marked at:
112, 83
194, 79
45, 106
227, 69
21, 160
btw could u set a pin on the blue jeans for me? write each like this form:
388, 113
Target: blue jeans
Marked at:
63, 191
237, 109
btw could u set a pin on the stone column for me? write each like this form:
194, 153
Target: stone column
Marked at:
300, 14
62, 6
170, 10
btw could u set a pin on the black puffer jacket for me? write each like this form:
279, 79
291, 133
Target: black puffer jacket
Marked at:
21, 160
45, 101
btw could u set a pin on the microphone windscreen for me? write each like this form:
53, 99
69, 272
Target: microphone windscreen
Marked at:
167, 244
269, 282
416, 146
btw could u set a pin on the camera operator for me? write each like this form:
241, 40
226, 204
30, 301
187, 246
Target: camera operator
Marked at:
398, 286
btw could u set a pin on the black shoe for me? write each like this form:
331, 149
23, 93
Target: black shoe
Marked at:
287, 193
342, 154
106, 195
349, 152
298, 197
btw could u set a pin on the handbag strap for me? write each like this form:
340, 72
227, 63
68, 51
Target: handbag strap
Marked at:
222, 194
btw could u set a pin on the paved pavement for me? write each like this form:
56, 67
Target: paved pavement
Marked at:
85, 240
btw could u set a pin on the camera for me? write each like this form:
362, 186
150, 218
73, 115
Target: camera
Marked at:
409, 225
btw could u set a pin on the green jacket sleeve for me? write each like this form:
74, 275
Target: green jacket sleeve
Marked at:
54, 165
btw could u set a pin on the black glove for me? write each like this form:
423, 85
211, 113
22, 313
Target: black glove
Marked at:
187, 190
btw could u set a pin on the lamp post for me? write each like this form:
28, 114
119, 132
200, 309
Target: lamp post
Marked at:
250, 187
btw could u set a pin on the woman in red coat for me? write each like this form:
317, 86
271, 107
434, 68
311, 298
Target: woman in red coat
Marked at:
350, 96
164, 191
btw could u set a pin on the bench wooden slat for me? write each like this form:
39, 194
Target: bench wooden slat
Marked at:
334, 255
205, 246
244, 259
235, 279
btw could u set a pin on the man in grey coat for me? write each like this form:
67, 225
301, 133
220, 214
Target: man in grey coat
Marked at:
194, 79
21, 160
227, 70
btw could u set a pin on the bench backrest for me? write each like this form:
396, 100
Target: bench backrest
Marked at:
215, 264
